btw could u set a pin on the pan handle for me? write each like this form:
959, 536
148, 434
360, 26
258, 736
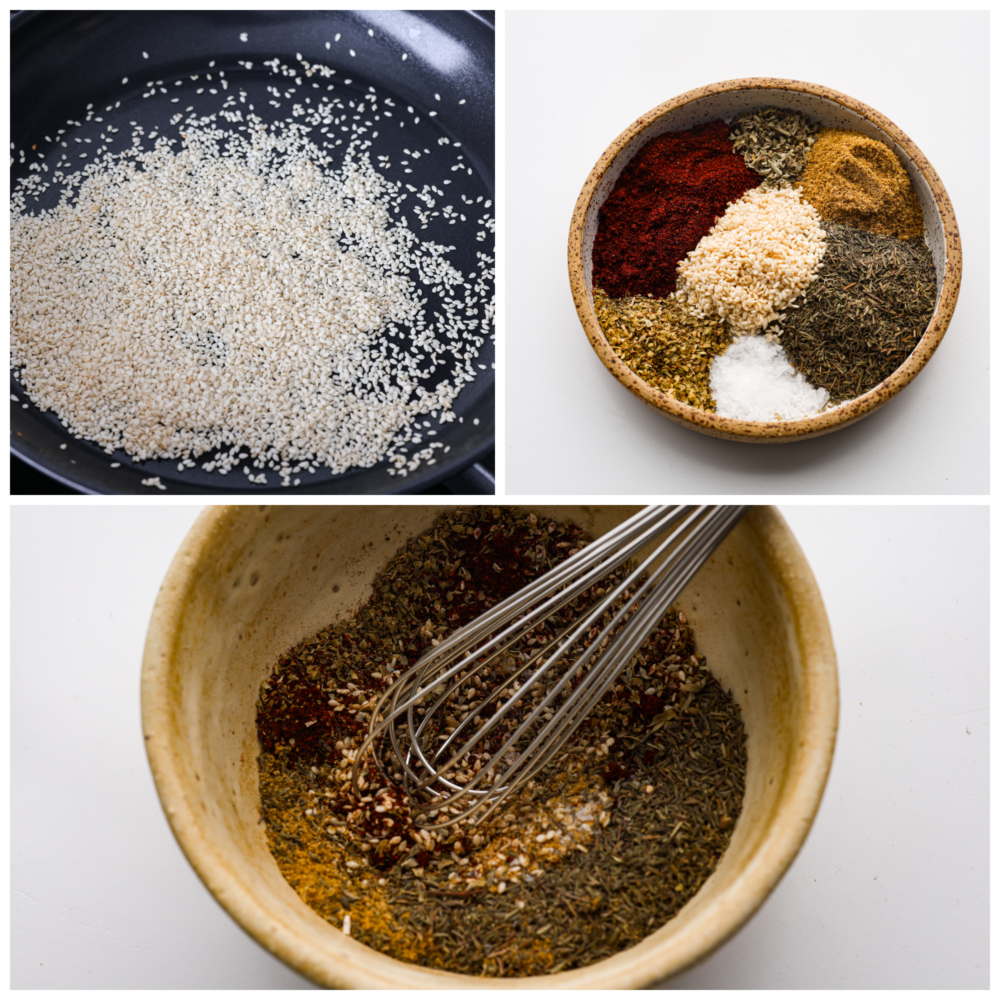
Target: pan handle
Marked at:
474, 479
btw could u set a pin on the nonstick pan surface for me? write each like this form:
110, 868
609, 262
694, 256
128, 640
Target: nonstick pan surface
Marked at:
61, 61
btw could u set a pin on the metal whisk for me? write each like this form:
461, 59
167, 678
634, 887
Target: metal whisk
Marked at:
451, 773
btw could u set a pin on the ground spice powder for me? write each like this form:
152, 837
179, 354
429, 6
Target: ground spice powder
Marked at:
667, 198
858, 181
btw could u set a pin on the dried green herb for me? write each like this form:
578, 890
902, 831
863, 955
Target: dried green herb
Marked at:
602, 848
774, 142
665, 343
863, 314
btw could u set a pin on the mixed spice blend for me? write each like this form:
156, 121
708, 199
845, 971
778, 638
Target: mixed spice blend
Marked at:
601, 848
772, 227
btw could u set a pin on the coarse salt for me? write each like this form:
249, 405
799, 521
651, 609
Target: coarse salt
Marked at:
754, 381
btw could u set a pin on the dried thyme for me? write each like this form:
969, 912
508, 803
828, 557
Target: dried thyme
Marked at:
603, 847
864, 313
664, 343
774, 142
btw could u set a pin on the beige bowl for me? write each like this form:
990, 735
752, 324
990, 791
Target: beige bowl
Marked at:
724, 100
249, 582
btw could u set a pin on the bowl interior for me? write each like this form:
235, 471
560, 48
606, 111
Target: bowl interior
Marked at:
725, 100
731, 103
250, 582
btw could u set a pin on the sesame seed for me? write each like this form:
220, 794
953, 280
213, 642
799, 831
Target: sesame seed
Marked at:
294, 295
404, 57
243, 36
145, 55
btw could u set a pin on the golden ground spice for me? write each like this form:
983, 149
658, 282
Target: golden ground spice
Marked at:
665, 344
315, 864
858, 181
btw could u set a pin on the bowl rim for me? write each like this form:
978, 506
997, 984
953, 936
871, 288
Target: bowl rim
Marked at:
713, 927
752, 430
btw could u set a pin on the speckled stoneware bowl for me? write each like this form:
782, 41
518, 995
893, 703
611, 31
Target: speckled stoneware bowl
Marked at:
726, 100
249, 582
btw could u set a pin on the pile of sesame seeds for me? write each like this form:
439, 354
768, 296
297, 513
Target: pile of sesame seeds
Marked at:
757, 259
248, 293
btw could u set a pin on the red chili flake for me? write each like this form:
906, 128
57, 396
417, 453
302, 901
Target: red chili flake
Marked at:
650, 705
615, 772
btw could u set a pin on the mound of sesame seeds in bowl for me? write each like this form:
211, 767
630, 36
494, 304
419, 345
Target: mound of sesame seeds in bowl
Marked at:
253, 293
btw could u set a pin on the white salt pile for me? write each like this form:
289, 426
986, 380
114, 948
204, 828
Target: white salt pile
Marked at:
754, 381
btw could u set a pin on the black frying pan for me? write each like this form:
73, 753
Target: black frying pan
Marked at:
63, 60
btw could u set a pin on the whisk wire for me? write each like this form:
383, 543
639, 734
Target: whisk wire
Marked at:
632, 534
602, 556
656, 581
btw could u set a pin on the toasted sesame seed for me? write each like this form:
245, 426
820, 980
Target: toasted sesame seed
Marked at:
198, 387
751, 287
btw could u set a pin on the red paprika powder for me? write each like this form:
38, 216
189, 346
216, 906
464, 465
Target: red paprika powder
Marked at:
667, 198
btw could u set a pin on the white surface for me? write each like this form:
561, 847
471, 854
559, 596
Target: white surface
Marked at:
574, 82
890, 889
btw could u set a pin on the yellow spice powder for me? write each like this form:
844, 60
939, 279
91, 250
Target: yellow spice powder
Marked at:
858, 181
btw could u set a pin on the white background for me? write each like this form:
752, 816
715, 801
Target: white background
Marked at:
890, 889
574, 81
